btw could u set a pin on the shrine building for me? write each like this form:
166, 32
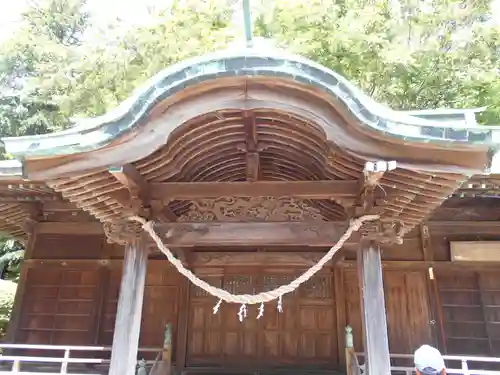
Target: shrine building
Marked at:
248, 167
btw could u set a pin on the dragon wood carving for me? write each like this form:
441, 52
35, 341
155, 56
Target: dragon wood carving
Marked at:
251, 209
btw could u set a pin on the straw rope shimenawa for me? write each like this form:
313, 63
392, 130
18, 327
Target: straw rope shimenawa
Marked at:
263, 297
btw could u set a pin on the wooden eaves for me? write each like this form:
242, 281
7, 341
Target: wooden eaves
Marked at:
244, 124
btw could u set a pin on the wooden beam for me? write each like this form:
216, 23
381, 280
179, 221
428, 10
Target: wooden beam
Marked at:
257, 259
31, 198
298, 189
253, 166
377, 359
54, 227
129, 311
55, 206
328, 229
187, 234
162, 211
424, 266
444, 266
472, 228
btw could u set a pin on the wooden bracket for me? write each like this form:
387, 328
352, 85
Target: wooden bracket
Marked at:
372, 174
140, 194
133, 181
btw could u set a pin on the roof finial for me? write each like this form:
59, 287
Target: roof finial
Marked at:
247, 19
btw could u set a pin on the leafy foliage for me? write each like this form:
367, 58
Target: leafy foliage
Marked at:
41, 46
409, 55
11, 256
100, 75
420, 55
7, 295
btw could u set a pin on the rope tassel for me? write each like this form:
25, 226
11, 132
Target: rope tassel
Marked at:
217, 307
261, 310
243, 312
249, 299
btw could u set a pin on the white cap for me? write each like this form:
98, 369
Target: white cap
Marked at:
428, 360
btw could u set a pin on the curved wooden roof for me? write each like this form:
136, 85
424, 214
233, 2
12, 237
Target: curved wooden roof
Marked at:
203, 120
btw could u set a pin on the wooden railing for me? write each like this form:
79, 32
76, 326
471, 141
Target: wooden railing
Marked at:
353, 360
94, 360
451, 362
97, 361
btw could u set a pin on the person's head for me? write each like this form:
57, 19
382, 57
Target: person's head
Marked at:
428, 361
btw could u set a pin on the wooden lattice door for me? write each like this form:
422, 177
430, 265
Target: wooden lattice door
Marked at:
304, 333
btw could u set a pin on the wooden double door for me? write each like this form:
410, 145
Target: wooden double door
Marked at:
304, 333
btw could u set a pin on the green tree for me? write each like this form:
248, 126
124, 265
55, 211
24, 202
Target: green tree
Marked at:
7, 294
11, 257
409, 55
101, 74
49, 31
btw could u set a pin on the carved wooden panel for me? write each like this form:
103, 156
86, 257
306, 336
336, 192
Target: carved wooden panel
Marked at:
251, 209
59, 306
304, 333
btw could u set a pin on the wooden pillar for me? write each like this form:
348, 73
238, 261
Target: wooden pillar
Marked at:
377, 360
129, 310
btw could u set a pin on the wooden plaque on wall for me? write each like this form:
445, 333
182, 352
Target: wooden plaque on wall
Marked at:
475, 251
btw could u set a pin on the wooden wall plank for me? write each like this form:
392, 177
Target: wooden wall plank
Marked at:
181, 340
161, 306
103, 275
340, 307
